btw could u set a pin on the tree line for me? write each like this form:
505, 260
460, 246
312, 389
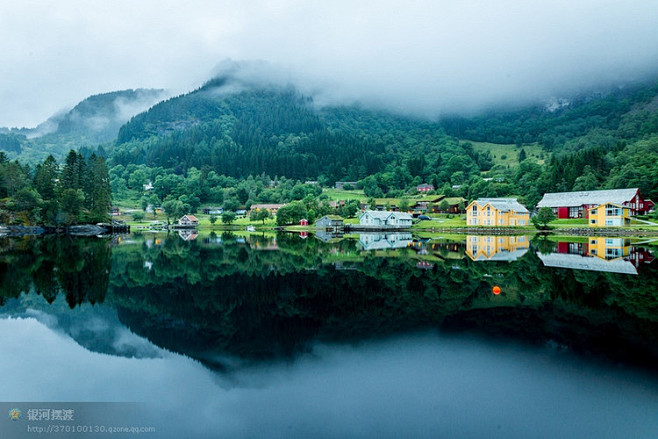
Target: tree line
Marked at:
55, 195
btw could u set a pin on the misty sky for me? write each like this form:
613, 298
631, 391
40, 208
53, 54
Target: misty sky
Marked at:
422, 56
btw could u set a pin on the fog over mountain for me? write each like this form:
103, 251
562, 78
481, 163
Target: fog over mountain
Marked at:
423, 56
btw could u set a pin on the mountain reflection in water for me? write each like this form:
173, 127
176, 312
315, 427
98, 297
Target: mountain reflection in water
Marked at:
258, 297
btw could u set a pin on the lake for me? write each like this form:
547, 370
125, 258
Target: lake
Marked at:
297, 335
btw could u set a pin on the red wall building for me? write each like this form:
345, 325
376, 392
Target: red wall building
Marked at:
577, 204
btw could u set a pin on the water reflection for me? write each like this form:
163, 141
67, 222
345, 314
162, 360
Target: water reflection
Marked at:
276, 335
188, 234
262, 296
419, 385
612, 255
496, 248
385, 241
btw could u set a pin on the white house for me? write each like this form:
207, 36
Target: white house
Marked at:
188, 220
375, 218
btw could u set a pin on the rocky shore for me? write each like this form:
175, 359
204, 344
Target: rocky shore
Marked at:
76, 230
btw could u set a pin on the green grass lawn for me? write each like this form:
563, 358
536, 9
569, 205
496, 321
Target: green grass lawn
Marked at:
508, 154
569, 222
335, 194
441, 221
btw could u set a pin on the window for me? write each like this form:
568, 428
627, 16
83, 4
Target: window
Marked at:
613, 252
575, 212
592, 221
592, 212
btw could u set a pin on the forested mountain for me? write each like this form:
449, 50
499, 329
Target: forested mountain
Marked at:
597, 140
228, 140
589, 119
96, 120
279, 132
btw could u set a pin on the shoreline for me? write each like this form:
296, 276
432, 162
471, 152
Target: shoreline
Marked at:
109, 229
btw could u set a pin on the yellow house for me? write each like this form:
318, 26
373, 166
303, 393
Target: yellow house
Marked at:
609, 215
496, 248
497, 212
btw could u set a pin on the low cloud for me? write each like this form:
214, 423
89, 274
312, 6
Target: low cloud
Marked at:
422, 56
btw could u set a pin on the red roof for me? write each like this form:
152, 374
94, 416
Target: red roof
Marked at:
191, 218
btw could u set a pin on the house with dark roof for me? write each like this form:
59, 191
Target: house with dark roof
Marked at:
578, 204
272, 208
329, 221
499, 212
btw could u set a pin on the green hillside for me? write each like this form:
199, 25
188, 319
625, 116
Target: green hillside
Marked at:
96, 120
232, 144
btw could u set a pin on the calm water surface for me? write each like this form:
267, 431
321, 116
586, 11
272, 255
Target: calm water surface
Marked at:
369, 336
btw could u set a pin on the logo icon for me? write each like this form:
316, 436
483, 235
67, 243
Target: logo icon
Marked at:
15, 414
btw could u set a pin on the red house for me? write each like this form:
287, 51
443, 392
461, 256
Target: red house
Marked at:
303, 222
577, 204
425, 188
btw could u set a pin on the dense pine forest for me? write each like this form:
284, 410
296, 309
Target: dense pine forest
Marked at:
234, 144
53, 195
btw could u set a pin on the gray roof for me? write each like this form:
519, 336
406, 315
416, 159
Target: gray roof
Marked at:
504, 255
503, 204
572, 199
383, 214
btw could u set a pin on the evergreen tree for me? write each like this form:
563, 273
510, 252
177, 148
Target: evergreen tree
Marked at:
45, 179
100, 201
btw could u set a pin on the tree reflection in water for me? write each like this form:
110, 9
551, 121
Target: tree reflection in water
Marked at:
261, 297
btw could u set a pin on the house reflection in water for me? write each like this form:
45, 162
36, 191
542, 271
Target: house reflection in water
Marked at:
188, 234
441, 250
613, 255
496, 248
385, 241
325, 236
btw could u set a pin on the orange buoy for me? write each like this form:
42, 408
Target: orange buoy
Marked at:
496, 290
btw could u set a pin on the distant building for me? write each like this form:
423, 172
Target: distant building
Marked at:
303, 222
497, 212
455, 204
241, 212
115, 211
329, 221
341, 184
148, 187
188, 220
213, 210
609, 215
272, 208
376, 218
577, 204
425, 187
311, 182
